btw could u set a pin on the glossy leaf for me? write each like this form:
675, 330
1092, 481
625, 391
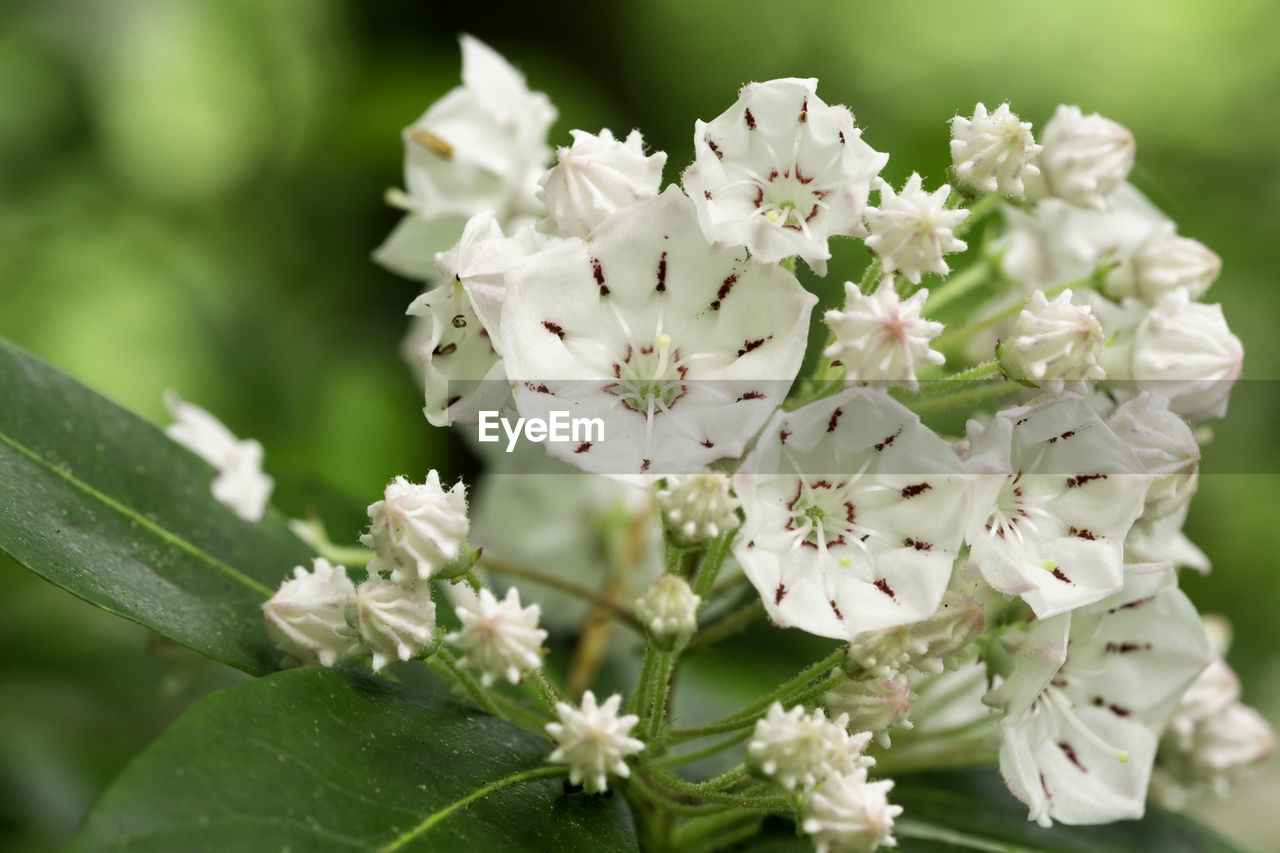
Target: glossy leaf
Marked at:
313, 759
103, 504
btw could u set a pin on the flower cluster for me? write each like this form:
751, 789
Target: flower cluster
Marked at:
1012, 582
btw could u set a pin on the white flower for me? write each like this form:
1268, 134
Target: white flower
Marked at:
848, 814
1185, 351
874, 705
1064, 491
1083, 694
480, 147
593, 741
780, 172
498, 639
669, 610
1056, 341
395, 621
1163, 263
681, 352
1058, 243
699, 507
798, 749
1084, 157
993, 151
306, 617
595, 177
911, 230
239, 483
1166, 447
881, 337
854, 515
416, 530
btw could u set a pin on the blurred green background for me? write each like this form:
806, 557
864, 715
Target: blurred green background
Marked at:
189, 192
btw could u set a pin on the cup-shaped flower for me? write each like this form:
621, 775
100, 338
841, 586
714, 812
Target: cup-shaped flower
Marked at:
1062, 491
680, 352
993, 151
594, 741
239, 483
881, 337
1083, 695
395, 621
798, 749
1084, 157
596, 176
498, 637
417, 529
780, 172
306, 617
912, 230
854, 515
480, 147
849, 814
1055, 341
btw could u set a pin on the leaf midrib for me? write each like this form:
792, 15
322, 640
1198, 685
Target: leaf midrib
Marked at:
146, 523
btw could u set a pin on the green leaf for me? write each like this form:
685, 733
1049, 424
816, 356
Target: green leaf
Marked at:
977, 805
313, 759
103, 504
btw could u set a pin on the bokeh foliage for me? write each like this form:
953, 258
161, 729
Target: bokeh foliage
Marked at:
189, 192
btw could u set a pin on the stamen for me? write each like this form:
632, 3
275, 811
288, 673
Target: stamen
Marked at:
1068, 714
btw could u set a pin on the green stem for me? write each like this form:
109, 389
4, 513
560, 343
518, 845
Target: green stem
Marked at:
547, 692
712, 561
927, 755
727, 625
444, 659
965, 397
805, 682
870, 276
502, 567
673, 787
957, 285
435, 817
981, 208
660, 690
718, 831
639, 695
702, 752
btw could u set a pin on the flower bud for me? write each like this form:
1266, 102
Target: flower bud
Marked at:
879, 653
305, 617
1185, 350
698, 507
1056, 341
417, 530
1166, 447
596, 176
879, 337
912, 230
849, 814
395, 621
993, 151
942, 640
499, 639
593, 741
1085, 157
874, 705
797, 749
1163, 263
669, 610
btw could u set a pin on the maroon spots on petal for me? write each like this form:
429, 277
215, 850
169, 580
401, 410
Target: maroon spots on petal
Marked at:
1069, 751
582, 448
835, 419
917, 544
1021, 421
750, 346
1065, 435
779, 594
1082, 533
1126, 648
1045, 786
782, 435
888, 442
883, 586
662, 273
840, 134
726, 286
836, 609
1061, 575
1118, 711
759, 199
751, 544
751, 120
447, 349
915, 489
707, 443
554, 328
459, 321
539, 389
804, 109
598, 272
750, 395
715, 149
644, 465
706, 194
1080, 480
1132, 605
452, 400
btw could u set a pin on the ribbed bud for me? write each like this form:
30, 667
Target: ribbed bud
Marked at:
669, 610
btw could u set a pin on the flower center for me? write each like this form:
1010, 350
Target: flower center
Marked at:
650, 379
822, 514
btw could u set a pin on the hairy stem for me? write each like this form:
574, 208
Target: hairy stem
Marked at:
502, 567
